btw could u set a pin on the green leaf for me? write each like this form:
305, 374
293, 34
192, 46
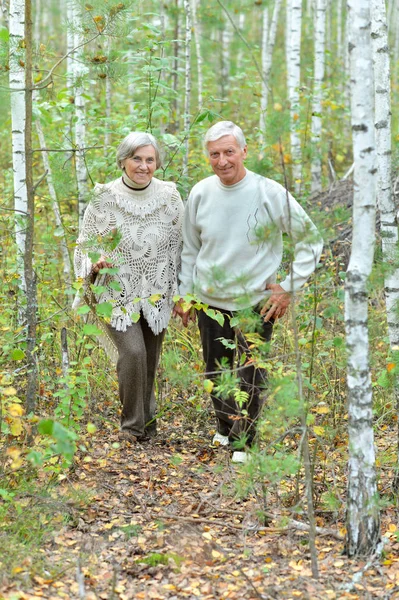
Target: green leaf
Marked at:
115, 286
338, 341
83, 310
135, 317
90, 329
46, 427
17, 354
4, 35
94, 256
104, 309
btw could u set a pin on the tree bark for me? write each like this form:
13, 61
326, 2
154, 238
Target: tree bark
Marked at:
294, 78
18, 120
187, 92
319, 62
197, 28
385, 203
30, 276
363, 526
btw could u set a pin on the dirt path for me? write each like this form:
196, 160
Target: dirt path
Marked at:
163, 521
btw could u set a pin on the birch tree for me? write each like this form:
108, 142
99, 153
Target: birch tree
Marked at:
30, 276
79, 70
385, 202
197, 28
268, 42
294, 23
362, 507
319, 62
18, 122
187, 92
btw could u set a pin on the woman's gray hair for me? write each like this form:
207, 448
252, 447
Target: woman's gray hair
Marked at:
224, 128
130, 144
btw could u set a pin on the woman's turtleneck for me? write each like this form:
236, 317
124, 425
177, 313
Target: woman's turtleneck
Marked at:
132, 185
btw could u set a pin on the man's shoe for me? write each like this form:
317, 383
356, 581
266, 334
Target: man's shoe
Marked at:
239, 457
220, 440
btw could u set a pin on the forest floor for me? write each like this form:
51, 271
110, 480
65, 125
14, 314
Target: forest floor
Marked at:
163, 520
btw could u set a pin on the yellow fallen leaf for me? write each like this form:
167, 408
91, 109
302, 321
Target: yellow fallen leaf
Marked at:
207, 535
319, 430
15, 410
10, 391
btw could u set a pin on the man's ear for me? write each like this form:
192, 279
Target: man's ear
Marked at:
244, 150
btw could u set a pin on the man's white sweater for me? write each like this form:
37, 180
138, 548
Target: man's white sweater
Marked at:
233, 243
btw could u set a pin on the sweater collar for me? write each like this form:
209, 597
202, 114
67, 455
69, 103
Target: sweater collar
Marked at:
235, 186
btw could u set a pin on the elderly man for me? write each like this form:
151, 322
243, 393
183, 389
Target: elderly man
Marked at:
232, 250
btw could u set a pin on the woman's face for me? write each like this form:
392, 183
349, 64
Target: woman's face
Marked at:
141, 166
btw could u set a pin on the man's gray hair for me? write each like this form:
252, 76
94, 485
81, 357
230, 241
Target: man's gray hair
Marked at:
225, 128
130, 144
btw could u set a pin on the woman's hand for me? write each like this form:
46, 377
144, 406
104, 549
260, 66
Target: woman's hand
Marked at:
277, 304
102, 263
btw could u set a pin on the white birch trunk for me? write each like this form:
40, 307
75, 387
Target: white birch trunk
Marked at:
241, 25
108, 98
319, 62
347, 87
362, 505
340, 49
225, 38
4, 13
79, 71
268, 43
264, 85
197, 27
18, 121
385, 200
187, 92
294, 78
309, 8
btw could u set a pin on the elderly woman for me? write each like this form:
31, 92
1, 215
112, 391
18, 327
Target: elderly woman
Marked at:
130, 244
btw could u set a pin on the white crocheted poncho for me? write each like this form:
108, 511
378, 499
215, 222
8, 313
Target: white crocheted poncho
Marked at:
146, 225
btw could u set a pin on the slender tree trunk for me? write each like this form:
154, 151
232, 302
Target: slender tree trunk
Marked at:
362, 509
197, 28
264, 84
30, 276
56, 209
79, 71
4, 13
241, 26
268, 43
294, 79
320, 32
18, 120
385, 203
187, 92
339, 30
108, 105
174, 124
225, 40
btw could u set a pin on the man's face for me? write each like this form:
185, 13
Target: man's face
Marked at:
227, 159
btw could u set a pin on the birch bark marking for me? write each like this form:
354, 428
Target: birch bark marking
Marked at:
319, 62
385, 204
294, 77
197, 27
187, 92
18, 121
362, 510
